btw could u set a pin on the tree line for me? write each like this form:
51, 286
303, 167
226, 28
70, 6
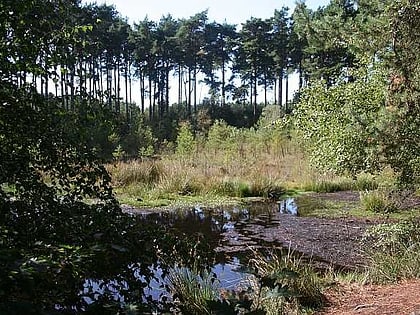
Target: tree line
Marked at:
69, 50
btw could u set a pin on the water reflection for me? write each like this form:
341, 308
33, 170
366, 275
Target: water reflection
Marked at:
230, 232
288, 206
228, 229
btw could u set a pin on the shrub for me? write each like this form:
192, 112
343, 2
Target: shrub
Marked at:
185, 143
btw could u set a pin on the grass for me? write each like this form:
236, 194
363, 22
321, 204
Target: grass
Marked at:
379, 201
210, 174
192, 291
281, 284
287, 284
393, 250
215, 177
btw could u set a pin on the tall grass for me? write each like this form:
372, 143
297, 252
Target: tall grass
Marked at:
220, 173
378, 201
295, 284
230, 162
394, 251
192, 291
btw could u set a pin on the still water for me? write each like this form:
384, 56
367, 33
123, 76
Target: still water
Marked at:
231, 232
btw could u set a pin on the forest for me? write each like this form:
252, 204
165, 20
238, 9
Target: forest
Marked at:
77, 149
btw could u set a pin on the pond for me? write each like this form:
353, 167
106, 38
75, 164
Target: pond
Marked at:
235, 232
227, 230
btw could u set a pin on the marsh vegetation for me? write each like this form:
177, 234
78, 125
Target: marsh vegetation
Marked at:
90, 181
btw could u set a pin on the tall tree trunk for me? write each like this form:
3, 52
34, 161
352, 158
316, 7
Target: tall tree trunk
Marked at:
118, 91
62, 84
280, 97
72, 87
195, 89
275, 91
255, 93
223, 83
154, 97
265, 90
287, 92
189, 92
129, 82
150, 98
127, 111
179, 85
142, 90
167, 90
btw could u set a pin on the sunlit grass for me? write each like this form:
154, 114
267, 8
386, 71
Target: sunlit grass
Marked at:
210, 173
300, 284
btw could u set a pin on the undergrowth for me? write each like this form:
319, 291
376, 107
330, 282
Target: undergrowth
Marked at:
393, 250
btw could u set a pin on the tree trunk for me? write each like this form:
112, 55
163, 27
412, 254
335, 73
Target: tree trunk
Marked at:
223, 83
280, 97
287, 93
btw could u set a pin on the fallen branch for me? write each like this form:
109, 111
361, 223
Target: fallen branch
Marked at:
358, 307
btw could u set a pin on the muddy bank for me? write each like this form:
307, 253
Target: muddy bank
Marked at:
330, 242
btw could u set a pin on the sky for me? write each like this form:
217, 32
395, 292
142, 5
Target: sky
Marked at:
231, 11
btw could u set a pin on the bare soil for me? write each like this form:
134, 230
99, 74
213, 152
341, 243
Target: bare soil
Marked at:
393, 299
396, 299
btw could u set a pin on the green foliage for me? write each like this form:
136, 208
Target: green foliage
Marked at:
118, 153
221, 136
338, 125
358, 123
402, 131
394, 251
60, 224
379, 201
185, 142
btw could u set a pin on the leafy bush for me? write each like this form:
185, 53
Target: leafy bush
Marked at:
60, 224
337, 124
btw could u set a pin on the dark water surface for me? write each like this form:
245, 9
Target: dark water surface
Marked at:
234, 233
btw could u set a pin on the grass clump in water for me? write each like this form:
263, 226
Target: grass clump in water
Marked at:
192, 291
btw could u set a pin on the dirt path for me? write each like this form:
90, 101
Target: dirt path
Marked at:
398, 299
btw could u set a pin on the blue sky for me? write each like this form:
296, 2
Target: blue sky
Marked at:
233, 11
